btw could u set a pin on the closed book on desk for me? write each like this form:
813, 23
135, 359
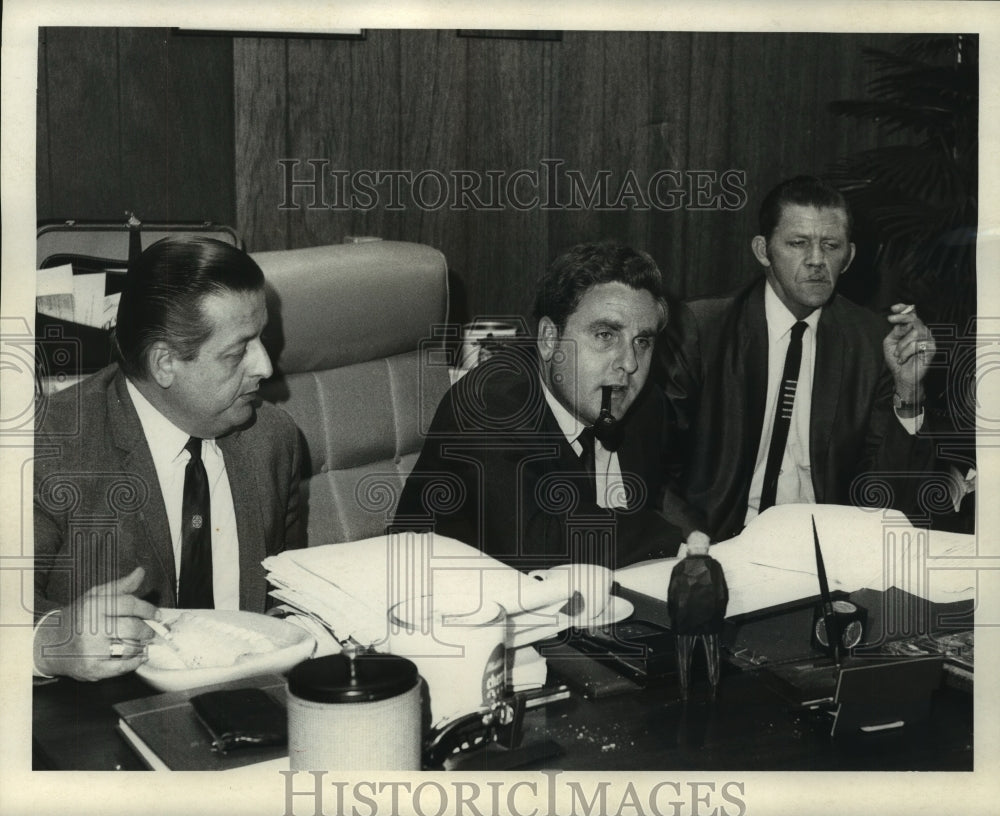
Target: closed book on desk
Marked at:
165, 731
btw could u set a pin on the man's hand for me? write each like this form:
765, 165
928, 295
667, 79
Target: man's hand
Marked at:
101, 635
909, 349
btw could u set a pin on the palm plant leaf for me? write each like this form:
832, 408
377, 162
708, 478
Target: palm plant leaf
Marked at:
919, 192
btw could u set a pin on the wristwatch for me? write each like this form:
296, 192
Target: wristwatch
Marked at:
904, 405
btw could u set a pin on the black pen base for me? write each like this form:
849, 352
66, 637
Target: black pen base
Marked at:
495, 757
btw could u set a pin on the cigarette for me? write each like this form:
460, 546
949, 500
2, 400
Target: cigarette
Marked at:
908, 309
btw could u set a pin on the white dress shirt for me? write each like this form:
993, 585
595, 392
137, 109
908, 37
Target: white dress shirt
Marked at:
610, 487
795, 477
166, 443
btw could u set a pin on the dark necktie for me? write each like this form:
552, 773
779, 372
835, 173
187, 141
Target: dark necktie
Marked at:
195, 590
588, 464
783, 417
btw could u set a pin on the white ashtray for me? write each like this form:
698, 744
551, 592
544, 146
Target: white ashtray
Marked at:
216, 645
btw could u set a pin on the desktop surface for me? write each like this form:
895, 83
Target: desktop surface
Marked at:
750, 725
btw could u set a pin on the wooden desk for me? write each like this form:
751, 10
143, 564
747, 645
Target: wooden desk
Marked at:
749, 727
74, 727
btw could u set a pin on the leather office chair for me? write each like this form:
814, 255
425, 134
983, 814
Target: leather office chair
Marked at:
352, 338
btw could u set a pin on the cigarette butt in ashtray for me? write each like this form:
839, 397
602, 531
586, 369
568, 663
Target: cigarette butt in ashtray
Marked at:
158, 627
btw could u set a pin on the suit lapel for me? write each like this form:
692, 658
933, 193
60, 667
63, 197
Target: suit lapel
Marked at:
534, 452
156, 553
541, 424
827, 376
631, 459
636, 456
751, 364
243, 473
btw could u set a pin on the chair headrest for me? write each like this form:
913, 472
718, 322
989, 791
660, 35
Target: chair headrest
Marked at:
331, 306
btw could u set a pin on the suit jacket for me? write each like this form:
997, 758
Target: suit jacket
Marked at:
99, 512
497, 472
716, 362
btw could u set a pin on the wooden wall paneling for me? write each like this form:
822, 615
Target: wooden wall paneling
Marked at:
711, 232
375, 135
432, 132
552, 57
508, 89
260, 88
579, 130
43, 172
794, 142
343, 109
669, 123
761, 77
758, 78
321, 107
826, 66
628, 140
146, 146
84, 124
820, 72
200, 117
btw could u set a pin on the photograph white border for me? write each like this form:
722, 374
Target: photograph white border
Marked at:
23, 791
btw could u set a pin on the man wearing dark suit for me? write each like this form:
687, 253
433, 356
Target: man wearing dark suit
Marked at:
158, 482
511, 463
852, 404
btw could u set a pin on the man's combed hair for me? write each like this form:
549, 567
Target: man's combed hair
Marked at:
163, 293
806, 191
574, 272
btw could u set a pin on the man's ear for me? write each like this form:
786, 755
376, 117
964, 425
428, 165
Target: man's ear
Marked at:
548, 338
849, 260
759, 247
162, 363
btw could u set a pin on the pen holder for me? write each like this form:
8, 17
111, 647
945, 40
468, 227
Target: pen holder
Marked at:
851, 622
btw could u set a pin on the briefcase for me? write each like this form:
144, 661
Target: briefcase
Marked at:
93, 246
66, 351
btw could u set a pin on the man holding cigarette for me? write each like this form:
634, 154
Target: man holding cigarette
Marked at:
787, 392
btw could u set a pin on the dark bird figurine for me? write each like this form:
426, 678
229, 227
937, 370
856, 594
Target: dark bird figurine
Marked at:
696, 599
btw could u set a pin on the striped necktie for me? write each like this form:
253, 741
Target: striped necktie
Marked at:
783, 417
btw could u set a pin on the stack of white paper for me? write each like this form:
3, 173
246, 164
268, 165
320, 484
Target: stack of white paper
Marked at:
773, 560
352, 586
76, 298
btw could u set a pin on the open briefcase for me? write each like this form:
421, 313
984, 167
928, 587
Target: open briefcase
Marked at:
66, 350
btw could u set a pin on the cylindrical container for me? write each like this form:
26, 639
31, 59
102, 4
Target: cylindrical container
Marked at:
345, 717
479, 340
459, 646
